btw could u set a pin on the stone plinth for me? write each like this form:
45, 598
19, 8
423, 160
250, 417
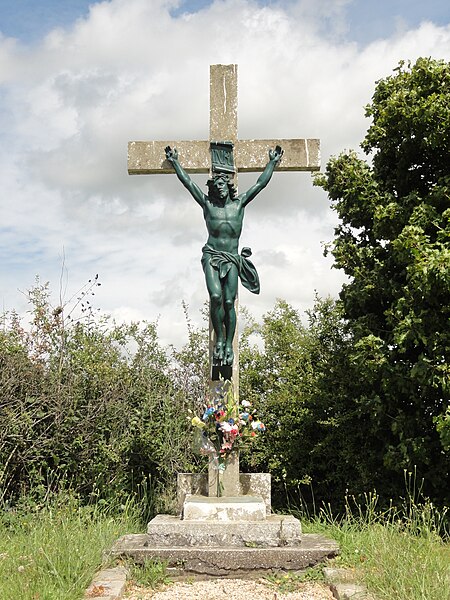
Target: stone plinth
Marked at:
275, 531
239, 508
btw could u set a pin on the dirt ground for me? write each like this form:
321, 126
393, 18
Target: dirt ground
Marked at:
229, 589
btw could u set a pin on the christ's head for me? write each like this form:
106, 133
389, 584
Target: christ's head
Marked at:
220, 187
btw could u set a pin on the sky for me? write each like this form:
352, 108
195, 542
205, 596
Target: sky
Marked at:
79, 79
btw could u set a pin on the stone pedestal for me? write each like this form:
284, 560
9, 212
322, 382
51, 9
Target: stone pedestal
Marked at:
227, 535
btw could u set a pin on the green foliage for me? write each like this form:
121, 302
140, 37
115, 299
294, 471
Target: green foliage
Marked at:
151, 573
393, 241
294, 376
86, 404
292, 581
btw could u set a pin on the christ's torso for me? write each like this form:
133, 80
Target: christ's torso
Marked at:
224, 224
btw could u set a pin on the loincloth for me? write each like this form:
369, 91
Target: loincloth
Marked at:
222, 261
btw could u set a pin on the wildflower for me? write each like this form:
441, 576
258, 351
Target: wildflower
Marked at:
246, 403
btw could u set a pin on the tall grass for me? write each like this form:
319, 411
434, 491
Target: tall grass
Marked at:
400, 553
51, 552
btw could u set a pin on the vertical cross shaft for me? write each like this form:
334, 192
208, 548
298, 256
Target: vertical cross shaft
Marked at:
223, 127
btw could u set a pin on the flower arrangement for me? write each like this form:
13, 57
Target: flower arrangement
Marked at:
224, 426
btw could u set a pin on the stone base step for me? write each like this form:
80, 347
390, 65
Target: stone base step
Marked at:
228, 561
226, 508
275, 531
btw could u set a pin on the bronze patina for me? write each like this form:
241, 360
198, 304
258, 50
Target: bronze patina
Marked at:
223, 211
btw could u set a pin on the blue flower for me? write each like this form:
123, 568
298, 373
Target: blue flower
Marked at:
208, 412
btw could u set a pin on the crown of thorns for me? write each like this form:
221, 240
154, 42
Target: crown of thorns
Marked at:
217, 176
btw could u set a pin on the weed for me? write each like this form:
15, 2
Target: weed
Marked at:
290, 581
152, 573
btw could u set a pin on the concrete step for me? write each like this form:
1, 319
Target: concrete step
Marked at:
226, 508
275, 531
231, 561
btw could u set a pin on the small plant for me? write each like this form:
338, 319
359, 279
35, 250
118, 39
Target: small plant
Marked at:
290, 581
151, 573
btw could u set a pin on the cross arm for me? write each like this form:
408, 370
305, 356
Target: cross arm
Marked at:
146, 158
299, 155
249, 155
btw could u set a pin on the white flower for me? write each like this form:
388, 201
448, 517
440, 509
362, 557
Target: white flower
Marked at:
246, 403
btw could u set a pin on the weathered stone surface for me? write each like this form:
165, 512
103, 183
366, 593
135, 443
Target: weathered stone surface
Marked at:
351, 591
344, 586
195, 484
251, 484
257, 484
224, 483
223, 101
108, 584
337, 575
145, 158
274, 531
228, 561
239, 508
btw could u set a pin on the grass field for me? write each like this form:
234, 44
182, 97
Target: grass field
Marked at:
51, 552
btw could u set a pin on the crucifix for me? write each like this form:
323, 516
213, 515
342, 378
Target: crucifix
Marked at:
223, 210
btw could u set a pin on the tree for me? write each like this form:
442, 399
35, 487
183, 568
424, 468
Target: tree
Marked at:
298, 378
393, 242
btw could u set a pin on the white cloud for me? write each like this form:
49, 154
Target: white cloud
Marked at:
129, 71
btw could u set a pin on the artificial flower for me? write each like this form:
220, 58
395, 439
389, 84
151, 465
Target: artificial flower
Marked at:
196, 422
209, 411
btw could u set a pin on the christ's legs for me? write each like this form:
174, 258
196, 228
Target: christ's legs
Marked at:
214, 286
229, 296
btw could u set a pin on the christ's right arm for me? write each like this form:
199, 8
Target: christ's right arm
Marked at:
191, 186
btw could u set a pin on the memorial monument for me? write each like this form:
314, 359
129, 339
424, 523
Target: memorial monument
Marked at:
234, 532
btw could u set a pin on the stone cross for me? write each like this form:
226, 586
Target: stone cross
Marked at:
249, 156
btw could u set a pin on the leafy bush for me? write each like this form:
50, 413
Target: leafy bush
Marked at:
87, 404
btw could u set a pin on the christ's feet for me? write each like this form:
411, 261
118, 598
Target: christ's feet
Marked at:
229, 355
218, 352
